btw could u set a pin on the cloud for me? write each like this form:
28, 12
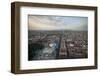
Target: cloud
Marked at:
39, 22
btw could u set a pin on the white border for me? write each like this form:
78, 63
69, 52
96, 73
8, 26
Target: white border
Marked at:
25, 64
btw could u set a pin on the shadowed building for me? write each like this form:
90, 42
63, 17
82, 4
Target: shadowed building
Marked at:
63, 50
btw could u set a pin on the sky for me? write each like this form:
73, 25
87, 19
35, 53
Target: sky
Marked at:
43, 22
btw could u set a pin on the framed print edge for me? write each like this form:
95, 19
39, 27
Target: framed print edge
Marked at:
15, 37
96, 37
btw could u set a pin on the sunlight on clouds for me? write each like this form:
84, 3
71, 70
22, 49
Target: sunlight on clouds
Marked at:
39, 26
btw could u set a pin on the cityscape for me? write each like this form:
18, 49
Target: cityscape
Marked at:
44, 45
57, 43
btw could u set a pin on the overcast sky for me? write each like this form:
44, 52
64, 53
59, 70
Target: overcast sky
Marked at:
39, 22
